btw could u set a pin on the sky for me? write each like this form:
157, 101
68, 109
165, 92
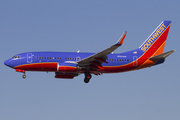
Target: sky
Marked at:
88, 26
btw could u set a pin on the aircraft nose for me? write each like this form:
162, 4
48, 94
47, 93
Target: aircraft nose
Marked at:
7, 63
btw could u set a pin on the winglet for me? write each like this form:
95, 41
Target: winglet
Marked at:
121, 39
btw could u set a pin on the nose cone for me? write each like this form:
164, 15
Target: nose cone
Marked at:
8, 63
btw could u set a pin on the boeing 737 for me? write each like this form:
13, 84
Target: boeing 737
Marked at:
68, 65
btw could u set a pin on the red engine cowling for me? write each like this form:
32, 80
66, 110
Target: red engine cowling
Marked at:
67, 69
64, 76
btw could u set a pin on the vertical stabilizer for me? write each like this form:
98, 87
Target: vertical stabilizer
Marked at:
156, 41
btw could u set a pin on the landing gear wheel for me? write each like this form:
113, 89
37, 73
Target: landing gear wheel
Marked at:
24, 76
87, 78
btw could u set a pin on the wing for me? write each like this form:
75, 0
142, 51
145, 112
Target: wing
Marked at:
97, 59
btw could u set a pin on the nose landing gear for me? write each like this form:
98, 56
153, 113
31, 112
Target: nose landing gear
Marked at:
22, 71
24, 76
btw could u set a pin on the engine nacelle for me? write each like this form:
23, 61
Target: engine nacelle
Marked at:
68, 67
64, 76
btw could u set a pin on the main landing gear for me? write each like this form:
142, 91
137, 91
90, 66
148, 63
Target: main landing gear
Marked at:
87, 77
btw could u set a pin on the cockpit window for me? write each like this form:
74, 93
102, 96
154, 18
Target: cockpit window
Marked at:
16, 57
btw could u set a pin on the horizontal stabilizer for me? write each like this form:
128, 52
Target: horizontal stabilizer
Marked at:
161, 56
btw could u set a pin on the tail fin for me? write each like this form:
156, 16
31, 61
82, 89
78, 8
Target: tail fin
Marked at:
156, 41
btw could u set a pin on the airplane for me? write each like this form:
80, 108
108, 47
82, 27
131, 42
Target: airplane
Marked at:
68, 65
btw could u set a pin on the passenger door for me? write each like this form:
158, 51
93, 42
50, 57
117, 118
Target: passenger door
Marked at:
135, 61
29, 57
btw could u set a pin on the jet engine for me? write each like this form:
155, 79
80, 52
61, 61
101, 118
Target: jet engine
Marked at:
65, 75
